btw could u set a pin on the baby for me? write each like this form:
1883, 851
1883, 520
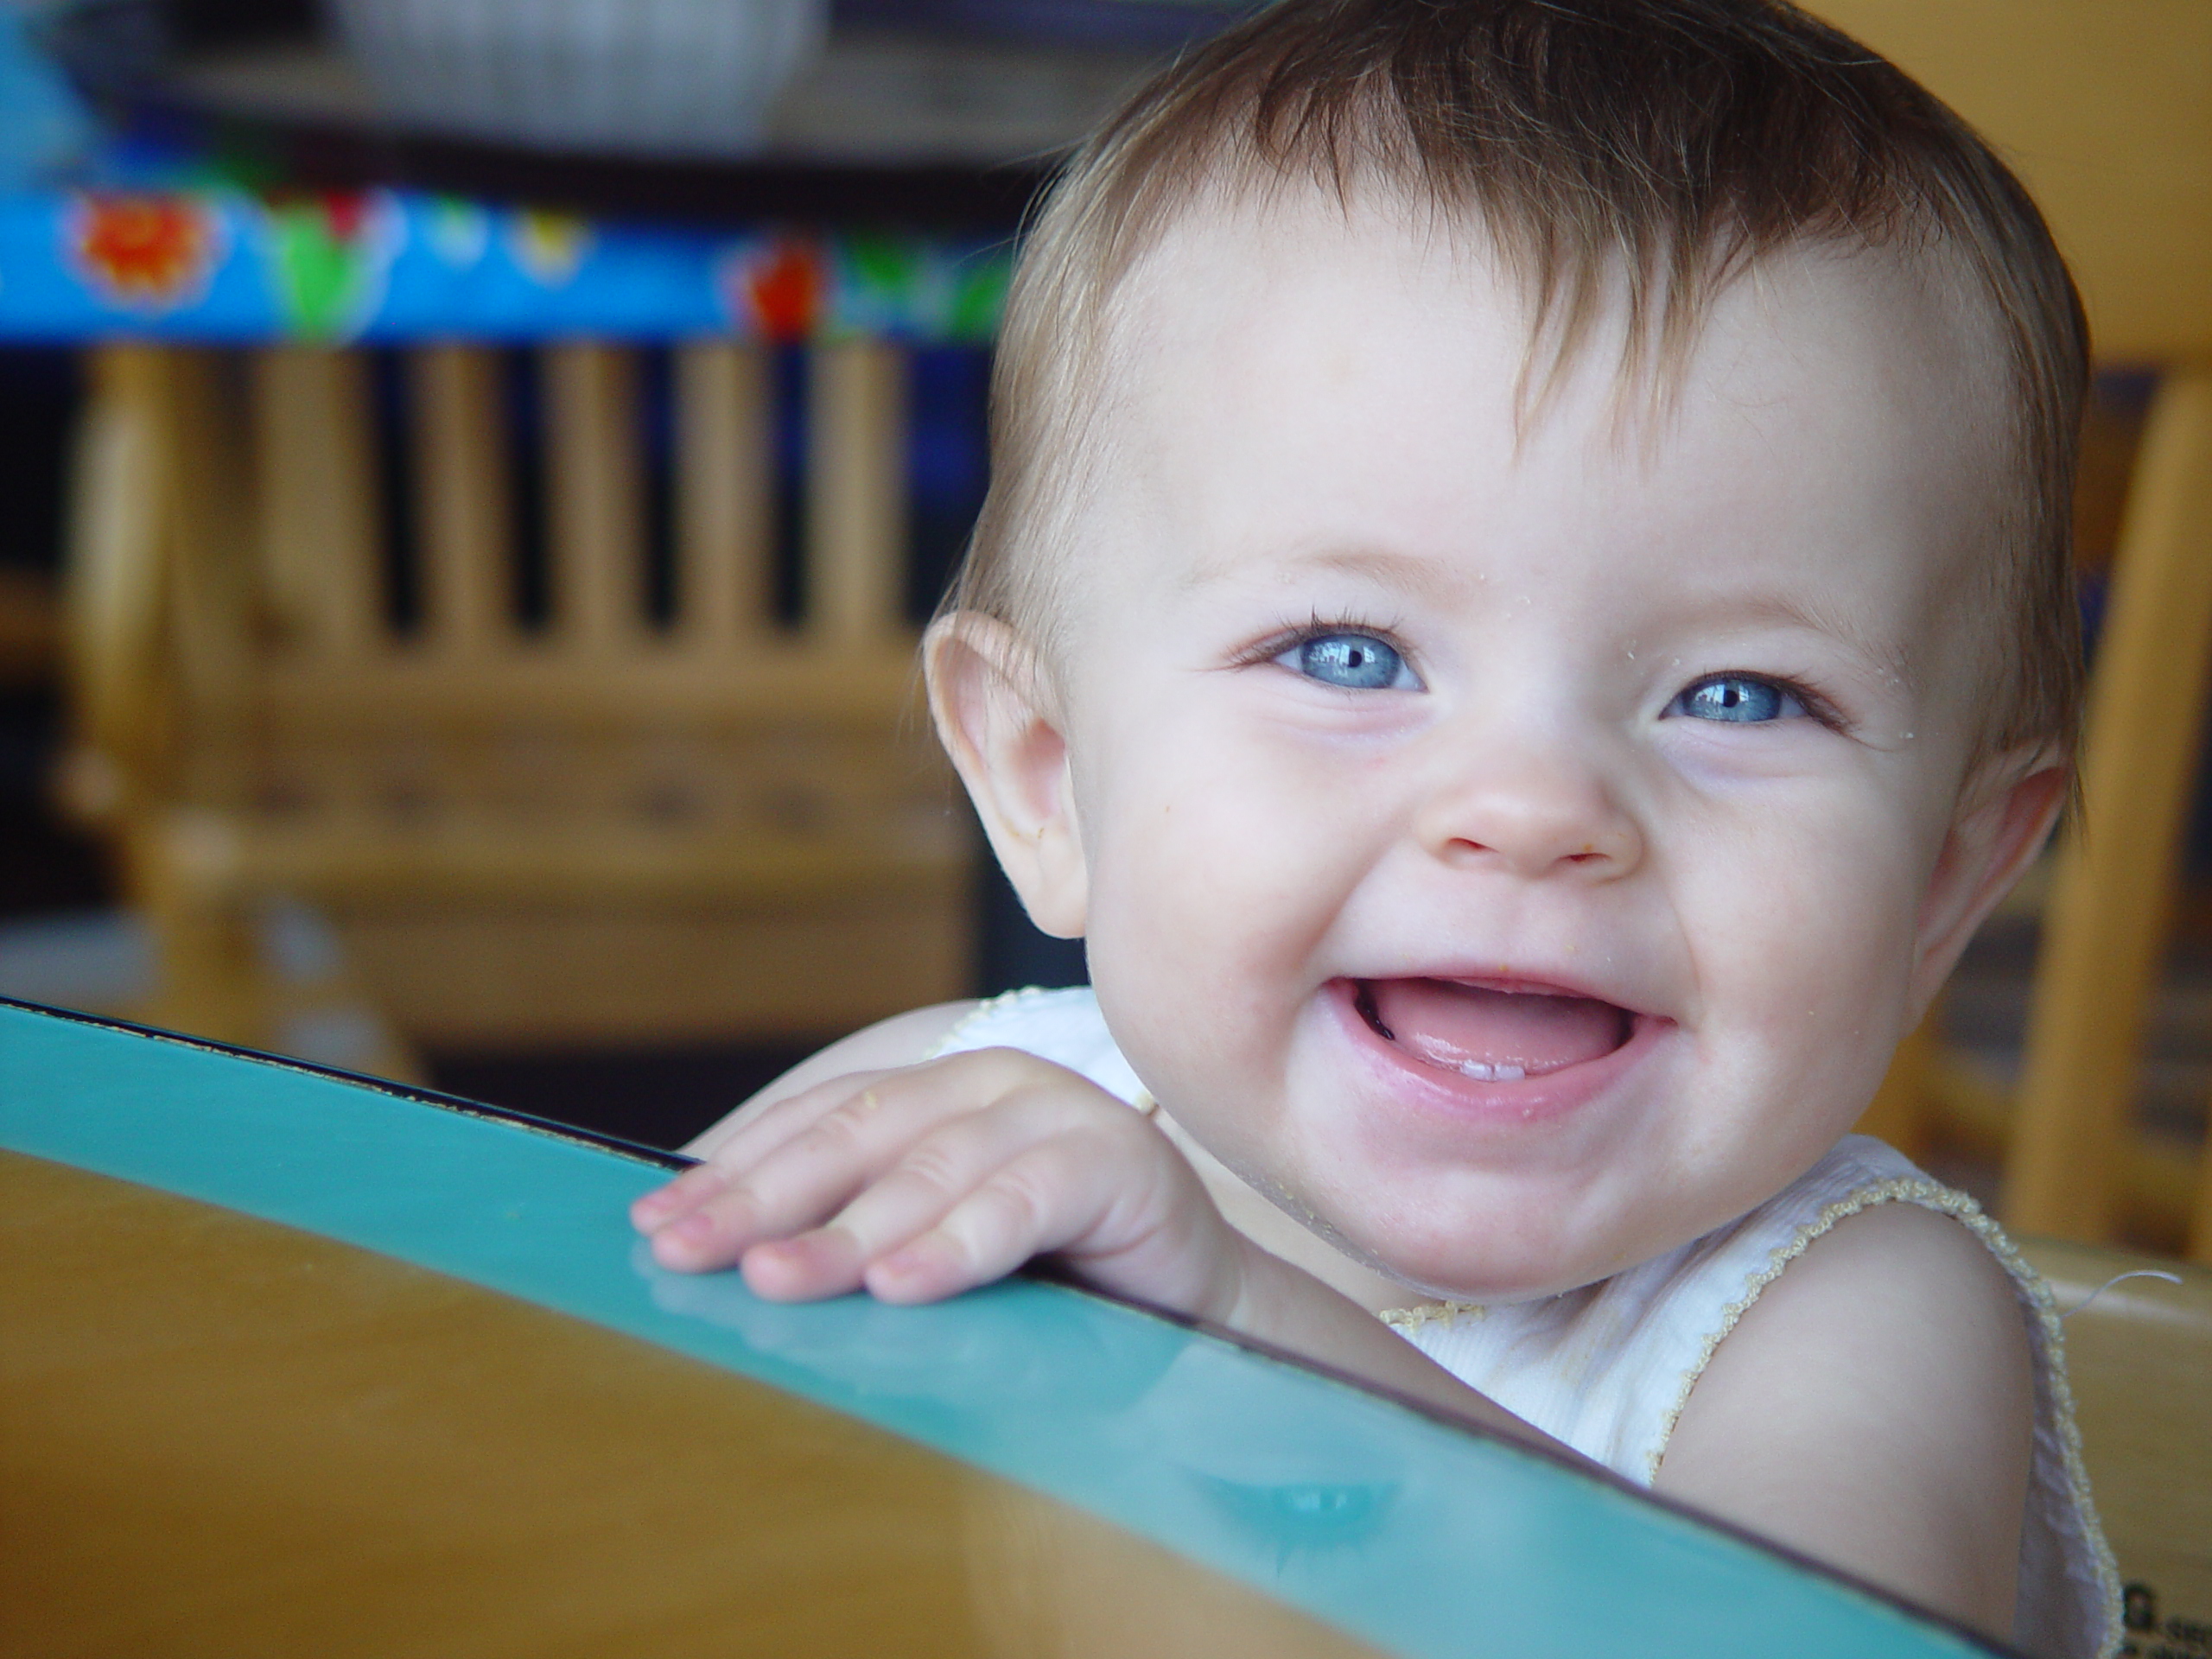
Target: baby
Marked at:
1524, 615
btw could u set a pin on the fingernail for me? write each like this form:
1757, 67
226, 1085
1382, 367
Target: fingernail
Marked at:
903, 1262
694, 1229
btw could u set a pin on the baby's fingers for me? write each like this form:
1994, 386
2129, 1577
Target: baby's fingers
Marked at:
710, 1216
803, 1176
706, 1179
679, 1197
762, 1133
1043, 1201
967, 1205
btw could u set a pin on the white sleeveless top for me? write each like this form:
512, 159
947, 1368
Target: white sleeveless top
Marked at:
1608, 1368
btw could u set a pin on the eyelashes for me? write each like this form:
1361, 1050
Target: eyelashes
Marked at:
1282, 642
1812, 703
1351, 654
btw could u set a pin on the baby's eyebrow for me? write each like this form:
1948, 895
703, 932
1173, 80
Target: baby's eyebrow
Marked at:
1886, 658
1421, 579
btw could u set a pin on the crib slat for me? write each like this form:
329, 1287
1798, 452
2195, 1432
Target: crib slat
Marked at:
115, 583
464, 493
594, 494
856, 493
212, 579
321, 523
723, 504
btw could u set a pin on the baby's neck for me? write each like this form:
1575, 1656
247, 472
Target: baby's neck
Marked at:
1260, 1219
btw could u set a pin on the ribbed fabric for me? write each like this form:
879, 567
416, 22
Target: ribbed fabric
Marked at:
1607, 1368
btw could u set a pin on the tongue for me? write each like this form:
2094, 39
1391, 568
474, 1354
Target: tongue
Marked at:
1494, 1035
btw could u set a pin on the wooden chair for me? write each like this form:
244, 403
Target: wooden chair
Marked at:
605, 831
2139, 1357
2106, 109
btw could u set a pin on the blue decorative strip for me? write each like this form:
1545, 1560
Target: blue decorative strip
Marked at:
389, 266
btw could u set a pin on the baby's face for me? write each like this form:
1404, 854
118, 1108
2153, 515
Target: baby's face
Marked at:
1517, 856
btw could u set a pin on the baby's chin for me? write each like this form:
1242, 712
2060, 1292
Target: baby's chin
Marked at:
1490, 1280
1508, 1246
1514, 1239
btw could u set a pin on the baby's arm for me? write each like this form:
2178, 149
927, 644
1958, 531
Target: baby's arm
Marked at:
1874, 1408
902, 1040
917, 1182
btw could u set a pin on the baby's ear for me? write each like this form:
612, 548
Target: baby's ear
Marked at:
998, 721
2005, 814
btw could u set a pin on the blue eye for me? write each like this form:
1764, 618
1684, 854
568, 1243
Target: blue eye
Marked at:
1737, 698
1358, 662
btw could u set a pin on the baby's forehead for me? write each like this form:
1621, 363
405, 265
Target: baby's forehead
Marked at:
1291, 335
1288, 274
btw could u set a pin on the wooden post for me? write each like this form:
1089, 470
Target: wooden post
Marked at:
2106, 927
724, 518
856, 494
115, 578
463, 493
594, 495
322, 523
211, 596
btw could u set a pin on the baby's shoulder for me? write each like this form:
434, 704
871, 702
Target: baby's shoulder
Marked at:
1902, 1271
1866, 1245
1895, 1285
1899, 1316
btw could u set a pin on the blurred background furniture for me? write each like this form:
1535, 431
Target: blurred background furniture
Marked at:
532, 592
2107, 111
479, 692
611, 830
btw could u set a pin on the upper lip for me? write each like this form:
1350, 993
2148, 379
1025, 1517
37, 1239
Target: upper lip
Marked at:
1513, 982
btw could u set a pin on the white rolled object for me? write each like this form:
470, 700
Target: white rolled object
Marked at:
656, 77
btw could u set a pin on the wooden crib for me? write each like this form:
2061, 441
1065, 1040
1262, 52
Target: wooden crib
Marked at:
612, 828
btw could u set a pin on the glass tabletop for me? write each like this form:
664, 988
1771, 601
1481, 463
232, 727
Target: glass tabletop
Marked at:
291, 1354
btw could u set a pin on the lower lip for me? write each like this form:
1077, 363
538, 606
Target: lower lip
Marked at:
1530, 1101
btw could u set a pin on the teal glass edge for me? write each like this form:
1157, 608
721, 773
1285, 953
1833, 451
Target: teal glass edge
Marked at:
1423, 1540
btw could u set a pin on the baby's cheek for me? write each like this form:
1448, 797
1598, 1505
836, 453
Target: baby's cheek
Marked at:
1173, 955
1199, 939
1207, 861
1805, 962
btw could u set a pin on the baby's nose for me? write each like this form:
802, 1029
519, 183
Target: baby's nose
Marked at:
1537, 814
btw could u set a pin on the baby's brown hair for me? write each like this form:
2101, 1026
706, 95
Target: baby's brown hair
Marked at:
1653, 149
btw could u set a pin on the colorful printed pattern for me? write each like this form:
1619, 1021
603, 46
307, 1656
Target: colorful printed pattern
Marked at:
143, 255
381, 266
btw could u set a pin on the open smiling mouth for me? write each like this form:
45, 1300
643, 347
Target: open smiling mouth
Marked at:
1491, 1035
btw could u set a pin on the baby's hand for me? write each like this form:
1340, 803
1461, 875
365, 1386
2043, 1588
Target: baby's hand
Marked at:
920, 1183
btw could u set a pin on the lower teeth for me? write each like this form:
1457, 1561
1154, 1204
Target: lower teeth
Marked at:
1482, 1071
